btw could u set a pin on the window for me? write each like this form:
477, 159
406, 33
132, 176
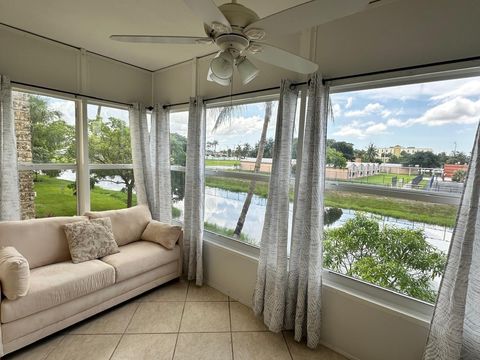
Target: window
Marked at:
178, 153
112, 184
397, 158
239, 149
46, 148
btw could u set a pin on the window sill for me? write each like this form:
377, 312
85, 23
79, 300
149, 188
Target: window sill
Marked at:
397, 304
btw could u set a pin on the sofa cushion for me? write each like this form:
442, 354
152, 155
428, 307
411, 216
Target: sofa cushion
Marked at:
14, 273
128, 224
56, 284
139, 257
40, 241
90, 239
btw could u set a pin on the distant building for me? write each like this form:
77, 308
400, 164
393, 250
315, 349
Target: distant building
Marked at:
397, 150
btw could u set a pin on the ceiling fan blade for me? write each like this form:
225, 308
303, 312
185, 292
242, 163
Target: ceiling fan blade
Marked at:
307, 15
282, 58
152, 39
209, 12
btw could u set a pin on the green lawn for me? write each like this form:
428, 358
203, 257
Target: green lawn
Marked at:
384, 179
55, 198
210, 162
437, 214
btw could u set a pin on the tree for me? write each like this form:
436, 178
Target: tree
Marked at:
336, 158
53, 140
109, 143
261, 145
458, 157
370, 154
391, 257
424, 159
459, 176
345, 148
178, 149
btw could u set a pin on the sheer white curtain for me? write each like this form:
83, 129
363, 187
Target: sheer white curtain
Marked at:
194, 192
455, 328
270, 290
151, 160
305, 265
9, 187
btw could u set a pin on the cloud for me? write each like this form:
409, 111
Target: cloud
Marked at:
349, 102
458, 110
360, 130
337, 110
470, 88
372, 108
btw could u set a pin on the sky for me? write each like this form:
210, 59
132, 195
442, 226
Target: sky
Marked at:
442, 115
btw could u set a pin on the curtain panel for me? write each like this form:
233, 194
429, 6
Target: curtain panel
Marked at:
194, 192
305, 265
9, 187
151, 160
455, 327
270, 290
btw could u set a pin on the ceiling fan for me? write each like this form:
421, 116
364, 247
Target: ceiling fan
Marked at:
238, 32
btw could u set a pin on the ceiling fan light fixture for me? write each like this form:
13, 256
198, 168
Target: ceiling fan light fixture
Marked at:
246, 70
222, 65
211, 77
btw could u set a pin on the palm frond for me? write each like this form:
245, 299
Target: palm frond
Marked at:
226, 114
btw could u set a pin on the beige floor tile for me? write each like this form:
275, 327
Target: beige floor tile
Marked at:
204, 293
203, 346
81, 347
145, 347
205, 316
300, 351
243, 318
259, 346
156, 317
112, 321
174, 291
36, 351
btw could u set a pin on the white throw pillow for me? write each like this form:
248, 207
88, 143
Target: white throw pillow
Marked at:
14, 273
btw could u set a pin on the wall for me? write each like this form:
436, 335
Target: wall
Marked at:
34, 60
357, 328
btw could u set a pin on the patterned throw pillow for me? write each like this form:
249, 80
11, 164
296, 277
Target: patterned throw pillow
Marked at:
90, 239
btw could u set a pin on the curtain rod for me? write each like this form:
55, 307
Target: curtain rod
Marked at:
74, 94
236, 94
405, 68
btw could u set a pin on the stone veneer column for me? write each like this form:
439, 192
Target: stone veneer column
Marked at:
23, 129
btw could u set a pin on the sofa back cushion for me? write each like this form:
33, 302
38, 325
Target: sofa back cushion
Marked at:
40, 241
127, 224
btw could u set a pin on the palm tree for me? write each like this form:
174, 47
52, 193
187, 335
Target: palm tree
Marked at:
261, 148
371, 153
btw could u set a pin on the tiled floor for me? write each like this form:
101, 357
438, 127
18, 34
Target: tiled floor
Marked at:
175, 321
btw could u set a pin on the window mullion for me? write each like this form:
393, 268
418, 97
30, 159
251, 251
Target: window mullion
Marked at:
83, 175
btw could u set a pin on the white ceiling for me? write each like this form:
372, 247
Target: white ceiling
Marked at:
88, 24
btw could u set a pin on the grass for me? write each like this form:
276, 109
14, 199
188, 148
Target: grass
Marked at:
418, 211
228, 232
211, 162
384, 179
436, 214
55, 198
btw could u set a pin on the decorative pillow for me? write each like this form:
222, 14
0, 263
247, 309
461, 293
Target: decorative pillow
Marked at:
14, 273
128, 224
90, 239
162, 233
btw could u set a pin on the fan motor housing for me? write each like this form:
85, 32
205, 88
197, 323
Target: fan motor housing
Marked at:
235, 43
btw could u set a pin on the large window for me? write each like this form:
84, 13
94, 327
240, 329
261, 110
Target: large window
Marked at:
397, 159
178, 154
112, 185
46, 148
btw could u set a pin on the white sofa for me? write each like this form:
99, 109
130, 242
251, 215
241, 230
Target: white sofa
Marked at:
62, 293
